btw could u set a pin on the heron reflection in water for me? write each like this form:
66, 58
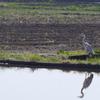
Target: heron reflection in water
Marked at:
86, 84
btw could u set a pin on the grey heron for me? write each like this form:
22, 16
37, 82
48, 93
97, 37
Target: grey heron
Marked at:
87, 46
86, 84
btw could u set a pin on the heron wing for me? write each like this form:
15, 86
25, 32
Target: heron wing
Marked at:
88, 48
87, 81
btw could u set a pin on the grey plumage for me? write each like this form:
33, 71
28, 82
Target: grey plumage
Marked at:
87, 46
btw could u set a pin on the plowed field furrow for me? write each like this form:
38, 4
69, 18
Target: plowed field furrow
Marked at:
50, 36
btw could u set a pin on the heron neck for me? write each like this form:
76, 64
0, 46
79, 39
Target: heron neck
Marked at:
82, 93
83, 39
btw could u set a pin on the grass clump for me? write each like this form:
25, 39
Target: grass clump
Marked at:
43, 3
63, 52
97, 51
90, 61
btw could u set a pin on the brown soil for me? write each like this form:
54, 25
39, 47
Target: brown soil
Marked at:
47, 38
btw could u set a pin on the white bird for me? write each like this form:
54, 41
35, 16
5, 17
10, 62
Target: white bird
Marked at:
87, 46
86, 84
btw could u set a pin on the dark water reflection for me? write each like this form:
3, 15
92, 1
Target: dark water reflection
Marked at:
47, 84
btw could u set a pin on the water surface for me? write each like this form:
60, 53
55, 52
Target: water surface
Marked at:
44, 84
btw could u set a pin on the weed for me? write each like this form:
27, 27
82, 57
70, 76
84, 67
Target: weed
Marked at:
23, 39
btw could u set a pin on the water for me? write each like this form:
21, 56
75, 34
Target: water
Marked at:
44, 84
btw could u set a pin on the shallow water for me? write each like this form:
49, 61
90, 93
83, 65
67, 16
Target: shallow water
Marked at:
46, 84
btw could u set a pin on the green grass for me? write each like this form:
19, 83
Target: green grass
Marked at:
97, 51
44, 3
53, 7
57, 59
47, 5
63, 52
26, 57
90, 61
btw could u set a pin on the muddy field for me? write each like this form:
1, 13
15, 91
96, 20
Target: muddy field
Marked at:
47, 38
